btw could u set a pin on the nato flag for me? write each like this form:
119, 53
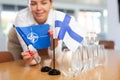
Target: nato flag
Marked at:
36, 35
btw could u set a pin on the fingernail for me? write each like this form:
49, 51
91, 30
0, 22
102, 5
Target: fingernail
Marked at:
49, 32
31, 53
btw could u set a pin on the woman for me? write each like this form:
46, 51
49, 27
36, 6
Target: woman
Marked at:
38, 12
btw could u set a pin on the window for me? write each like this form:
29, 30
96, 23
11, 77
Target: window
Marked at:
8, 7
68, 11
8, 15
21, 7
90, 20
7, 18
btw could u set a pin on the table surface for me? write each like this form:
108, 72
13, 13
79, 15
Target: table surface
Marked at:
17, 70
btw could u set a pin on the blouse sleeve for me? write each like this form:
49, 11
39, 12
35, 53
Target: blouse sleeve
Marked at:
13, 44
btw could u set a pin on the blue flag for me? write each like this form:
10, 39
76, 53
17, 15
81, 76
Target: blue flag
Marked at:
36, 35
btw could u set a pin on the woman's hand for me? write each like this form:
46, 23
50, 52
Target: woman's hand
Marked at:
50, 32
31, 56
27, 56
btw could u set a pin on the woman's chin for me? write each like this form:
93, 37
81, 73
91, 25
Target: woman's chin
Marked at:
41, 20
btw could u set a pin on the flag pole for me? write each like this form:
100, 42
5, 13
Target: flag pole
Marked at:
54, 71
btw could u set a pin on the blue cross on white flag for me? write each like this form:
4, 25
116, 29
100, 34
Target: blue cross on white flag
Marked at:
69, 31
36, 35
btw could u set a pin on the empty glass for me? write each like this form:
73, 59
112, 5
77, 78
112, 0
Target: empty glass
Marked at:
99, 55
71, 64
87, 57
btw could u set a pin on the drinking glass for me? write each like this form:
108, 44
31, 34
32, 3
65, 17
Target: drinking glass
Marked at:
91, 38
71, 64
99, 55
87, 56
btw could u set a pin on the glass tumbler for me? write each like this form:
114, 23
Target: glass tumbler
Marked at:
99, 55
71, 64
87, 57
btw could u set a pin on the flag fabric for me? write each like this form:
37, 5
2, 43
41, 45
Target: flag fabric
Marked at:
68, 30
36, 35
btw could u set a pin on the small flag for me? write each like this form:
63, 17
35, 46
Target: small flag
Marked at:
68, 31
36, 35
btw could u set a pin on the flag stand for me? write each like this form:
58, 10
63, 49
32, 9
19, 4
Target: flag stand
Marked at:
45, 69
48, 69
54, 71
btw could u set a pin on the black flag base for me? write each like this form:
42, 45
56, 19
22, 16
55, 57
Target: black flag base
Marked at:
45, 69
54, 72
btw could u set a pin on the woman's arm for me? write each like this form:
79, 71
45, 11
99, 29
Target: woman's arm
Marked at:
13, 44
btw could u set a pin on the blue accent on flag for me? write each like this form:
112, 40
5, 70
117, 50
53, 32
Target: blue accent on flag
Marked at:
64, 27
36, 35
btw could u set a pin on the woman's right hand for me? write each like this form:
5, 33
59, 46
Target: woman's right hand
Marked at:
27, 56
31, 56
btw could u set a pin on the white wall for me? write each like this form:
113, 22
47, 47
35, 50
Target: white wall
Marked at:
3, 39
113, 23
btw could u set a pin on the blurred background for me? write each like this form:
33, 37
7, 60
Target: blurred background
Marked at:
99, 16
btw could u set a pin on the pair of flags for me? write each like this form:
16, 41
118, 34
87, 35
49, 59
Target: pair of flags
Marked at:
66, 30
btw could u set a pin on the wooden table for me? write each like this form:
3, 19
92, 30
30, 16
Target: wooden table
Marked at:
17, 70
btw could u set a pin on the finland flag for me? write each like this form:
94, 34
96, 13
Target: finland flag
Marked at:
68, 30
